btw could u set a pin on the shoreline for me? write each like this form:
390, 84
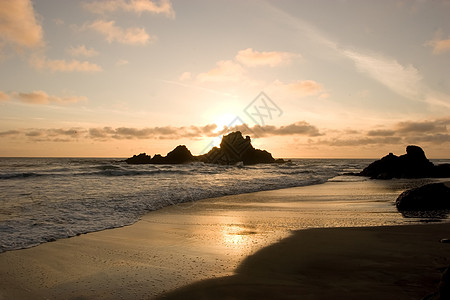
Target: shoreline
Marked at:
180, 245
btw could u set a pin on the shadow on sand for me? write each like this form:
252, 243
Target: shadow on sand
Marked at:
403, 262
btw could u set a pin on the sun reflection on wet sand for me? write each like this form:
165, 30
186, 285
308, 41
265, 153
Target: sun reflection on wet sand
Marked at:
238, 235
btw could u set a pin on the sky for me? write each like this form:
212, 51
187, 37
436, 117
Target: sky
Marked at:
305, 79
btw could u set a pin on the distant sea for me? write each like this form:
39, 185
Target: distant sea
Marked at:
44, 199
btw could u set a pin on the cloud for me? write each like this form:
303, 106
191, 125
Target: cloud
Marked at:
302, 88
163, 7
360, 141
11, 133
4, 97
82, 51
185, 76
122, 62
252, 58
113, 33
381, 132
400, 79
438, 44
162, 133
165, 132
299, 128
41, 97
439, 125
61, 65
225, 70
434, 132
19, 27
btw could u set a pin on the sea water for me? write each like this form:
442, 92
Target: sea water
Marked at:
44, 199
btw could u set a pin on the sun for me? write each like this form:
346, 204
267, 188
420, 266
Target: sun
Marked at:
227, 120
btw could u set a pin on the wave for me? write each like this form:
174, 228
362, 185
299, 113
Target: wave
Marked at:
19, 175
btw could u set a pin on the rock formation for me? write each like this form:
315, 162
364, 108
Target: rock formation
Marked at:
234, 148
142, 158
433, 196
413, 164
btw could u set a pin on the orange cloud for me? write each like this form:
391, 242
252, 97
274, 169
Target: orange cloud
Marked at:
226, 70
19, 27
41, 97
4, 96
252, 58
302, 88
113, 33
439, 46
137, 6
61, 65
185, 76
82, 50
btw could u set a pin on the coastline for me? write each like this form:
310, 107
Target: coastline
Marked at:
183, 244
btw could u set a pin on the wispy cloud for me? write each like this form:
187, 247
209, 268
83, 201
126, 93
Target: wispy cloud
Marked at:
185, 76
41, 97
301, 128
301, 88
438, 44
235, 70
122, 62
82, 50
434, 132
62, 65
4, 97
403, 80
106, 133
114, 33
253, 58
163, 7
225, 70
19, 27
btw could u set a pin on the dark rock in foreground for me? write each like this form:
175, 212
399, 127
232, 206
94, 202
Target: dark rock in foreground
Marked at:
234, 148
433, 196
413, 164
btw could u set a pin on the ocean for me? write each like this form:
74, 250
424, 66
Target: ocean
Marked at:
45, 199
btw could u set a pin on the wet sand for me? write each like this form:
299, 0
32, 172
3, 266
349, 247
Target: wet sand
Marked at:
179, 246
402, 262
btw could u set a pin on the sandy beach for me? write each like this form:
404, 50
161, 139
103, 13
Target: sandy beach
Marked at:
245, 246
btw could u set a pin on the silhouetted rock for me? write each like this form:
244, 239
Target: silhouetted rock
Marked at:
442, 170
139, 159
158, 159
433, 196
235, 148
413, 164
179, 155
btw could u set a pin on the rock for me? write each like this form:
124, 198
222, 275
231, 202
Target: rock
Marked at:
413, 164
179, 155
235, 148
433, 196
158, 159
139, 159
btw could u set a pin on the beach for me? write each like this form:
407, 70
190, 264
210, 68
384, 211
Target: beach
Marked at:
310, 242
